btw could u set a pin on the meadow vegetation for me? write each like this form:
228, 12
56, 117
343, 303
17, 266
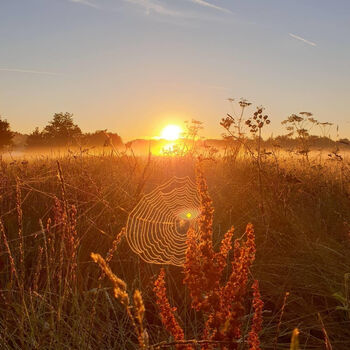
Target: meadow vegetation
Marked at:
240, 288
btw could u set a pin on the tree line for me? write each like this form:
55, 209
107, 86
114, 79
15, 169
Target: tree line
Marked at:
61, 131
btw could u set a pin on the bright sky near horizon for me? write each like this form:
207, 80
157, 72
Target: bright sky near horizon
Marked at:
134, 66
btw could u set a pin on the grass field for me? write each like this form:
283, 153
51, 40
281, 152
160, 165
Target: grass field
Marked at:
56, 211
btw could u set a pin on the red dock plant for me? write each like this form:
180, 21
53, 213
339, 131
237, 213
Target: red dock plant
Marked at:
253, 339
166, 311
222, 303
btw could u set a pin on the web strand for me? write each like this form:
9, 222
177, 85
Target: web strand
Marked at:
157, 227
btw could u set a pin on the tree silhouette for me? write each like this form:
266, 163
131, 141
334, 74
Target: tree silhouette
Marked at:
36, 139
61, 130
103, 138
6, 134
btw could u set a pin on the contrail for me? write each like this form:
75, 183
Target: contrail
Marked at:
85, 2
27, 71
149, 5
208, 4
302, 39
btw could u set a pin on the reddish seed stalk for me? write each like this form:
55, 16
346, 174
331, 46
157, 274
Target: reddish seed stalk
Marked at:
20, 230
166, 311
280, 320
253, 339
222, 304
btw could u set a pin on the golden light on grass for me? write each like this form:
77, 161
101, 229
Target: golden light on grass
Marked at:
171, 133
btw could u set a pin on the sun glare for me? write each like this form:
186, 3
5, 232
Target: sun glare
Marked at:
171, 133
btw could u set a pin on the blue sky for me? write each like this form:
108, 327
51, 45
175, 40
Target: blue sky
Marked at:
133, 66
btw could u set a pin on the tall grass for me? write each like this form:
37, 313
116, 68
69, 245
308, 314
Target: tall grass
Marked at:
53, 215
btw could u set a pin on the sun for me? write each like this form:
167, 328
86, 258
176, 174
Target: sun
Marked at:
171, 133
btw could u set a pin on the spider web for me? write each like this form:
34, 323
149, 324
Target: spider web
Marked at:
157, 228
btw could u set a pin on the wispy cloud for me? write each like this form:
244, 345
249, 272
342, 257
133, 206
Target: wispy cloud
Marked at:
208, 4
85, 2
302, 39
15, 70
157, 7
